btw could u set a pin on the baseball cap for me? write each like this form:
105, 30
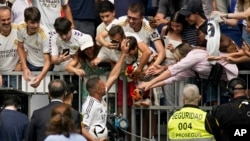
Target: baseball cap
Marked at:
192, 6
86, 42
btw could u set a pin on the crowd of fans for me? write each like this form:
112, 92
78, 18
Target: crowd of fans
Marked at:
205, 42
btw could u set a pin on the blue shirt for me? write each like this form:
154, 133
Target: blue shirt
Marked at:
72, 137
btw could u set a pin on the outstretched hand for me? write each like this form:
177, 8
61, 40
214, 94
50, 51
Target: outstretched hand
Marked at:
145, 86
155, 69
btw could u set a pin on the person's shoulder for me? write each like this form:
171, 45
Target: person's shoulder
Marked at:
22, 26
78, 137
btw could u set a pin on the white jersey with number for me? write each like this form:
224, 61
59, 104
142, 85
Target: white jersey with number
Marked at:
50, 10
36, 44
94, 112
146, 33
8, 50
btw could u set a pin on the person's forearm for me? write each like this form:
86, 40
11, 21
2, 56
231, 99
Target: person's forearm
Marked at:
101, 38
165, 75
239, 15
161, 52
144, 59
45, 67
115, 71
158, 84
68, 14
22, 56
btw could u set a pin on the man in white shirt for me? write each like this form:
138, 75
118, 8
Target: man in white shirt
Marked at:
51, 9
8, 48
94, 108
35, 37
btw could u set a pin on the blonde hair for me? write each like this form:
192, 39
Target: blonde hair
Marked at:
182, 50
241, 4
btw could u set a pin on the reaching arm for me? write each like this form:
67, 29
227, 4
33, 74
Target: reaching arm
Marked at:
73, 67
101, 38
117, 68
143, 47
68, 14
161, 52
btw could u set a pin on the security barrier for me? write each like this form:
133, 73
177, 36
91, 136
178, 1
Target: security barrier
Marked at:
141, 127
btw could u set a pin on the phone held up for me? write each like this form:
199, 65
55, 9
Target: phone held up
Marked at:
66, 50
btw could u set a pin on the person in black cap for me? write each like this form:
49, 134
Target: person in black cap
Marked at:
236, 113
195, 16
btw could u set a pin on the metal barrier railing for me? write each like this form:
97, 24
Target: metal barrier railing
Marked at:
159, 113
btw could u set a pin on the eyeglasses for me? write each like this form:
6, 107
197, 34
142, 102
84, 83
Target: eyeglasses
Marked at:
133, 18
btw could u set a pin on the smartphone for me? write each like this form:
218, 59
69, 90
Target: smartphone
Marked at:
151, 19
166, 40
114, 41
66, 50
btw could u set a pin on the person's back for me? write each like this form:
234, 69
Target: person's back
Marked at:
190, 122
234, 114
40, 117
61, 126
13, 123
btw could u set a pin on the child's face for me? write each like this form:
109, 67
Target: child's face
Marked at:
32, 27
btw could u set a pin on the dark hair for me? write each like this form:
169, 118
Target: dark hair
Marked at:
83, 57
178, 18
116, 29
62, 25
57, 88
132, 43
11, 100
137, 7
91, 84
69, 90
225, 43
32, 13
106, 6
61, 121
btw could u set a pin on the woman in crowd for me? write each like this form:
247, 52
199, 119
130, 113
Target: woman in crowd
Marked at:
61, 126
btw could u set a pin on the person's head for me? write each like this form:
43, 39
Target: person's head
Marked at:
57, 89
135, 15
182, 50
132, 45
236, 87
191, 94
177, 22
227, 45
61, 121
12, 100
63, 28
193, 10
116, 33
87, 49
106, 11
68, 98
5, 20
96, 87
32, 18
